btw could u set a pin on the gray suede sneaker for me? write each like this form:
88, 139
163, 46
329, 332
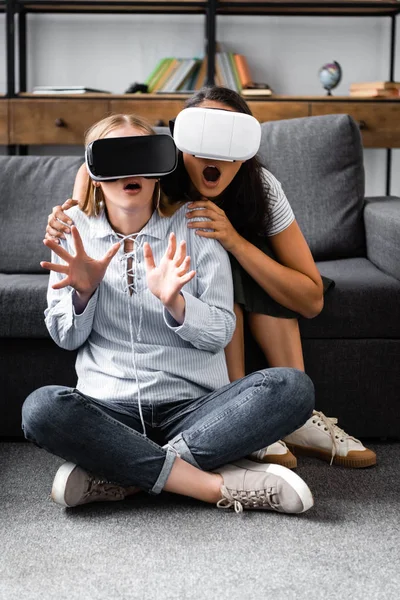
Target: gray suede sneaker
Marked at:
73, 486
249, 485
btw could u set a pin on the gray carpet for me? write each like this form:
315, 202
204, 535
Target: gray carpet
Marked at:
168, 547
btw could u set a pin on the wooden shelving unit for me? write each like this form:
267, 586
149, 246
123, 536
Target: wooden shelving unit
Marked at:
27, 119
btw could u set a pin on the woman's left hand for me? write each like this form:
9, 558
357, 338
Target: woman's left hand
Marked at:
222, 228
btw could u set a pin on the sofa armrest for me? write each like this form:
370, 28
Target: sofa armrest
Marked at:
382, 232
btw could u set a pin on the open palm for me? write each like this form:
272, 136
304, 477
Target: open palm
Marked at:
83, 273
167, 279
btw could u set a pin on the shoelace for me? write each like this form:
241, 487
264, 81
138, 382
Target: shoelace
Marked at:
241, 499
101, 487
330, 424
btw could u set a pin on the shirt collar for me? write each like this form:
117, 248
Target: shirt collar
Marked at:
156, 227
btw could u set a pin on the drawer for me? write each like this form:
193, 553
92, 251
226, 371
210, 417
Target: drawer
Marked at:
156, 111
273, 110
379, 121
4, 121
53, 121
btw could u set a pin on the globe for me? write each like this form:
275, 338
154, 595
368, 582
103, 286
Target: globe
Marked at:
330, 76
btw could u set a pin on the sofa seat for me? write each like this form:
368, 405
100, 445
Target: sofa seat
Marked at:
23, 300
364, 304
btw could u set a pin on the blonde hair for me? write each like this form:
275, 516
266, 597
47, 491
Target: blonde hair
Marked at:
99, 131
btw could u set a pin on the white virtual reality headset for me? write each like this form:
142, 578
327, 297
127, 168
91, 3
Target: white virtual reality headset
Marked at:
217, 134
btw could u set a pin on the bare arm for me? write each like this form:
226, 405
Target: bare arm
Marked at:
296, 283
58, 223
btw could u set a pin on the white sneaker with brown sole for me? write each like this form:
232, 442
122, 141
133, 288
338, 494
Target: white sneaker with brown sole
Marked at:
277, 454
322, 438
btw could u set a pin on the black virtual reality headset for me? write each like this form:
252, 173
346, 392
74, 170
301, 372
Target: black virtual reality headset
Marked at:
137, 156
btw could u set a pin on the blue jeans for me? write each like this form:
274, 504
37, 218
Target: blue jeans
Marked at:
220, 427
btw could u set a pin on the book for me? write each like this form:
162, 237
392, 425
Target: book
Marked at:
154, 72
374, 93
172, 65
253, 92
64, 89
243, 70
179, 74
234, 71
376, 85
163, 66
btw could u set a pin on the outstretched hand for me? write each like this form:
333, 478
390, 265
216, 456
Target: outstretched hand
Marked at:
222, 228
83, 273
167, 279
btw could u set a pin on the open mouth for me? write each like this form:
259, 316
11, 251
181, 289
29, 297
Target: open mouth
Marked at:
132, 186
211, 174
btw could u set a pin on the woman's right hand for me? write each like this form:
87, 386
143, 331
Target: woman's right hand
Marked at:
56, 229
83, 273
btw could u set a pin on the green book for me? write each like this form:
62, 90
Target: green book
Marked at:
234, 71
156, 73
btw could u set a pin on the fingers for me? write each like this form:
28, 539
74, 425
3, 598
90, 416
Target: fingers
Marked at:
109, 255
69, 204
54, 267
58, 220
184, 267
180, 254
209, 214
61, 284
79, 249
170, 253
202, 225
148, 257
204, 203
57, 249
187, 277
53, 235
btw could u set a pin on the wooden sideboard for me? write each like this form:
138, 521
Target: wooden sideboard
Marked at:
32, 121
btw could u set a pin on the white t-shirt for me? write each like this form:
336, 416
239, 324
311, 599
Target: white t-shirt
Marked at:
280, 213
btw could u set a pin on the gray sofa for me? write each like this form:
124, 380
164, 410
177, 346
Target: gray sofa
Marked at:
352, 349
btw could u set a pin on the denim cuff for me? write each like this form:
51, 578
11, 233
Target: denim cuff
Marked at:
165, 471
180, 446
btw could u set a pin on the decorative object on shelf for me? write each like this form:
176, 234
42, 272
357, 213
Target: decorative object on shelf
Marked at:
330, 76
137, 87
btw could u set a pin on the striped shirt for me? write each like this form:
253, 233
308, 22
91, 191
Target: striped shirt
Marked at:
126, 341
280, 213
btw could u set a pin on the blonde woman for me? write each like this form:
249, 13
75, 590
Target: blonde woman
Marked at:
153, 407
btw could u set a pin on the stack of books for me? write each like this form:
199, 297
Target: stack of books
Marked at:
173, 75
375, 89
186, 75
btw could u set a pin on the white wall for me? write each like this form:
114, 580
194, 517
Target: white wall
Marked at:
112, 51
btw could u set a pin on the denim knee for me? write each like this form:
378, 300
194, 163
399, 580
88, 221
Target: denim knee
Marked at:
301, 394
37, 411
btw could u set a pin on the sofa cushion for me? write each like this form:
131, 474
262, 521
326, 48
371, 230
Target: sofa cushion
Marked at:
29, 187
363, 304
23, 301
319, 162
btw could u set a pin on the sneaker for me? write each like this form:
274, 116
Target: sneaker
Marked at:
249, 485
73, 486
277, 453
321, 437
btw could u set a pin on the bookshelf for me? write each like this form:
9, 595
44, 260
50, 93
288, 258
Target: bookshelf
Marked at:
29, 120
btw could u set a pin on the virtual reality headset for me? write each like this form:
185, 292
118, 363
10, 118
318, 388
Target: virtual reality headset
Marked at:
217, 134
141, 156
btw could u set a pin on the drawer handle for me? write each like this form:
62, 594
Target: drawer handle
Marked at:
60, 123
362, 124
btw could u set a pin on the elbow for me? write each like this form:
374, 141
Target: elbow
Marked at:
314, 308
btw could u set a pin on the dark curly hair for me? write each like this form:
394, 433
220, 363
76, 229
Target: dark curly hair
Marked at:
245, 200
